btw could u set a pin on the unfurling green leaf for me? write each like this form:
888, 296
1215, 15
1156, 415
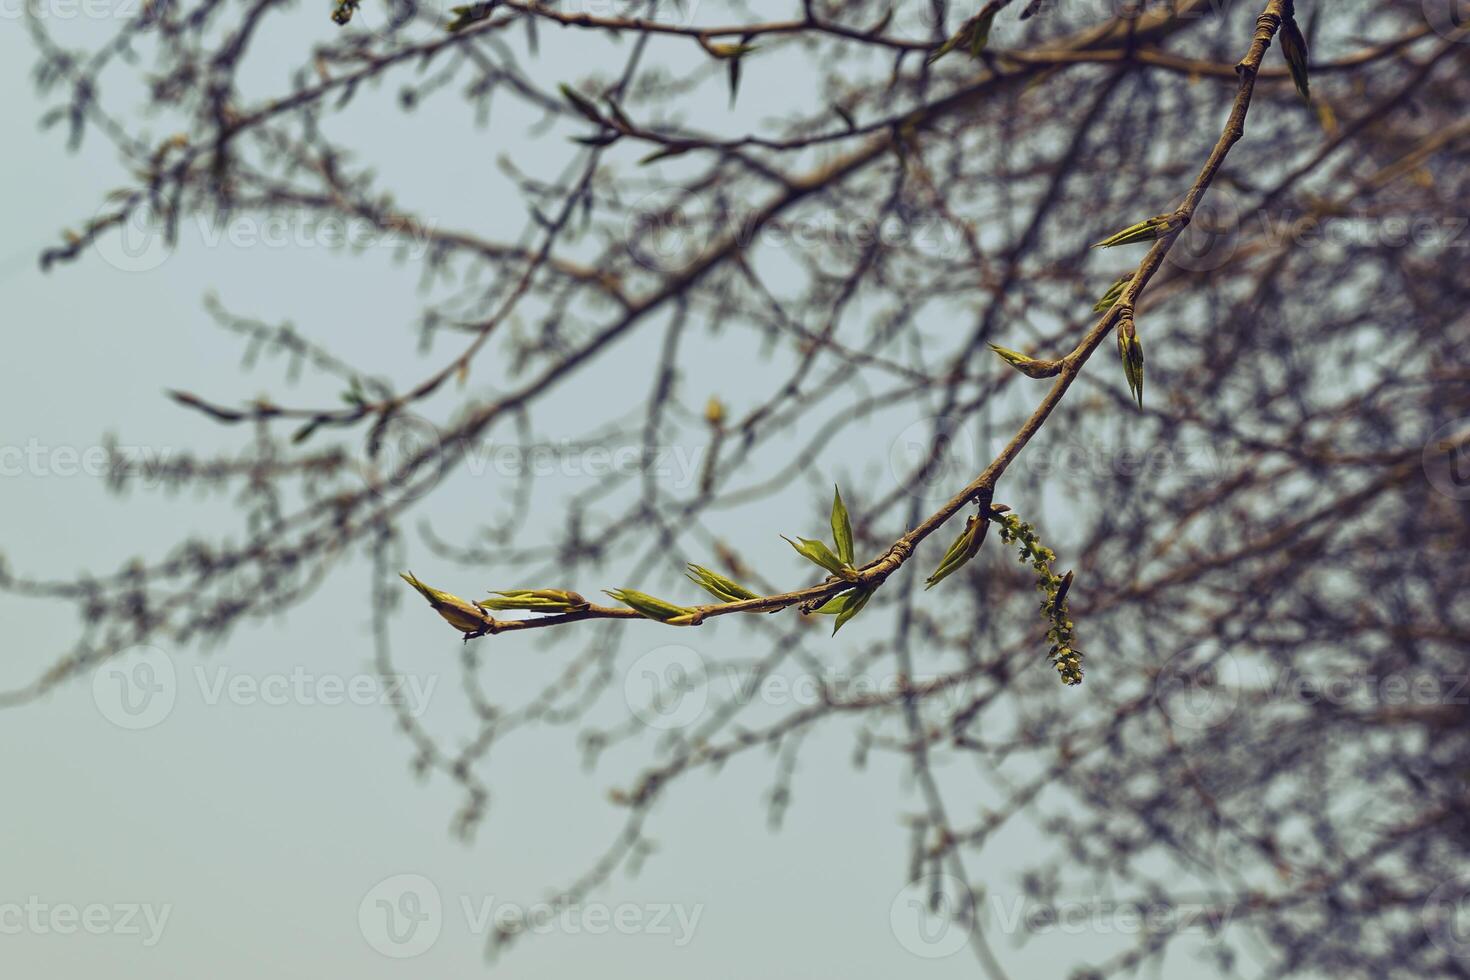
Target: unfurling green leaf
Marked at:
1130, 348
718, 585
841, 527
342, 13
1029, 366
648, 605
845, 605
965, 547
834, 605
1294, 48
465, 616
818, 553
973, 35
1111, 296
537, 600
856, 600
1145, 231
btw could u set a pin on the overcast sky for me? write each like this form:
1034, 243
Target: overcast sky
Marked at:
261, 818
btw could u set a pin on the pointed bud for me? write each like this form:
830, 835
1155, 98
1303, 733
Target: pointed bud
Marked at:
973, 35
1294, 49
717, 585
1147, 230
1130, 348
647, 605
537, 600
1111, 296
1029, 366
582, 104
965, 547
1060, 598
467, 617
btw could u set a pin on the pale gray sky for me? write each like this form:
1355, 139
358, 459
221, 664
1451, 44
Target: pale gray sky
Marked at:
250, 829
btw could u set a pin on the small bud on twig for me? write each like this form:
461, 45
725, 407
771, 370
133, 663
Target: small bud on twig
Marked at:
1147, 230
467, 617
1130, 348
1029, 366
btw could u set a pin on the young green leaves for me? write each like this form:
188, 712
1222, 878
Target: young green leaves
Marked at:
965, 547
841, 527
537, 600
1294, 49
648, 605
1111, 296
718, 585
1130, 348
465, 616
973, 35
845, 605
818, 553
840, 562
1029, 366
1148, 230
